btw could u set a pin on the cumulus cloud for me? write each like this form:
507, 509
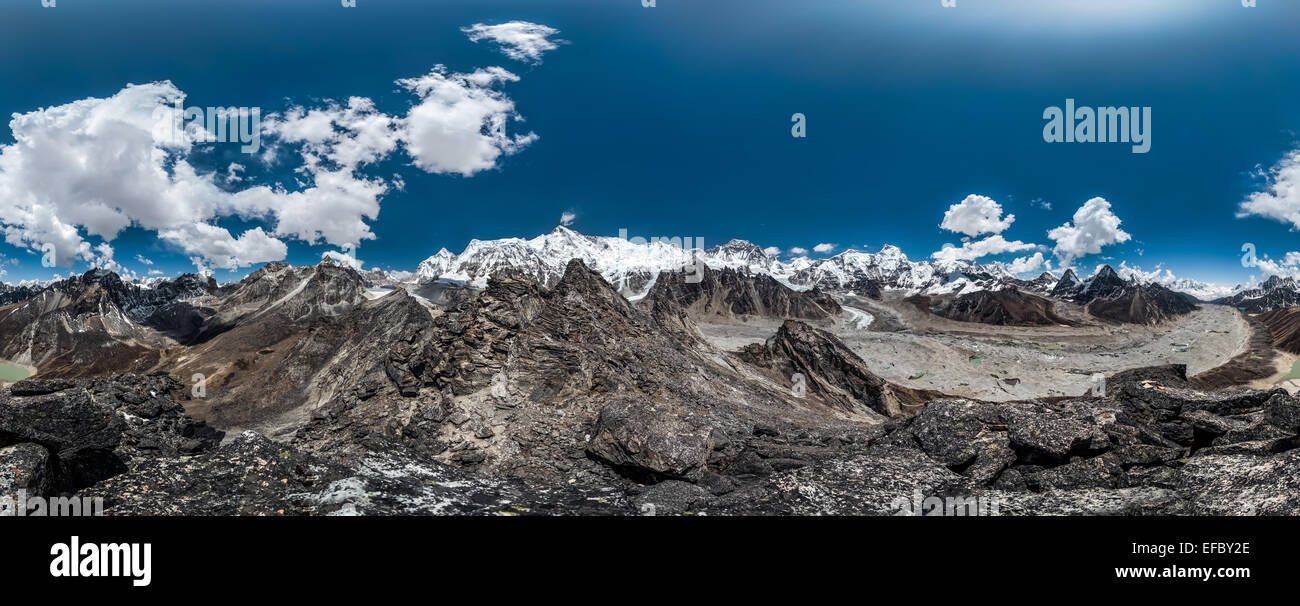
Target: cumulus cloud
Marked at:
976, 215
1022, 265
974, 249
101, 165
519, 40
1094, 226
1281, 199
459, 126
214, 246
772, 251
798, 250
143, 260
341, 258
1159, 275
824, 248
93, 167
1287, 266
566, 218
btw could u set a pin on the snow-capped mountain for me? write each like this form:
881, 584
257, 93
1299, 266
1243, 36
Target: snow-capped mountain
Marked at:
435, 266
1276, 292
137, 301
631, 265
1205, 291
627, 264
1068, 286
740, 254
13, 294
856, 270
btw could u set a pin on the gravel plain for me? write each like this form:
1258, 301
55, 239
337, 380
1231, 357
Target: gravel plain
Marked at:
911, 347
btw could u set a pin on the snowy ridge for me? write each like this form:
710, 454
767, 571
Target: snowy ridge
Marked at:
631, 266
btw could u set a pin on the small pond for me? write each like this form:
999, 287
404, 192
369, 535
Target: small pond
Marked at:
12, 372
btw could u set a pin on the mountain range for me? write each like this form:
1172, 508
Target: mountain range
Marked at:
304, 390
631, 267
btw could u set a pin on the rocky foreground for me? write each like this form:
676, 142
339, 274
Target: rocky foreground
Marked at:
528, 398
1151, 446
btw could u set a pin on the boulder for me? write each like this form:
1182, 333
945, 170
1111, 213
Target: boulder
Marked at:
650, 440
1055, 435
25, 467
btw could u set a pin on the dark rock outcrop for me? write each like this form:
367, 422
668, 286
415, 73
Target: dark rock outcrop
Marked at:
831, 372
1275, 293
97, 428
728, 293
647, 439
1141, 304
1006, 307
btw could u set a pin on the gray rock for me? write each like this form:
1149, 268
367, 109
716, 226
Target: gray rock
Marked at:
26, 467
651, 439
671, 497
1055, 435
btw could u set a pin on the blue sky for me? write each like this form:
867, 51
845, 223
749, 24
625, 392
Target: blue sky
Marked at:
675, 120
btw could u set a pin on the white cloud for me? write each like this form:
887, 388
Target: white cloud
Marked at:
101, 165
772, 251
1023, 265
102, 258
459, 126
976, 215
519, 40
799, 250
1159, 275
566, 218
974, 249
1041, 203
213, 246
1281, 200
341, 258
1288, 265
1094, 226
824, 248
143, 260
93, 167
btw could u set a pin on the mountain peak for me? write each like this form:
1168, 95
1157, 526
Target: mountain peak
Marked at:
1105, 272
738, 244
